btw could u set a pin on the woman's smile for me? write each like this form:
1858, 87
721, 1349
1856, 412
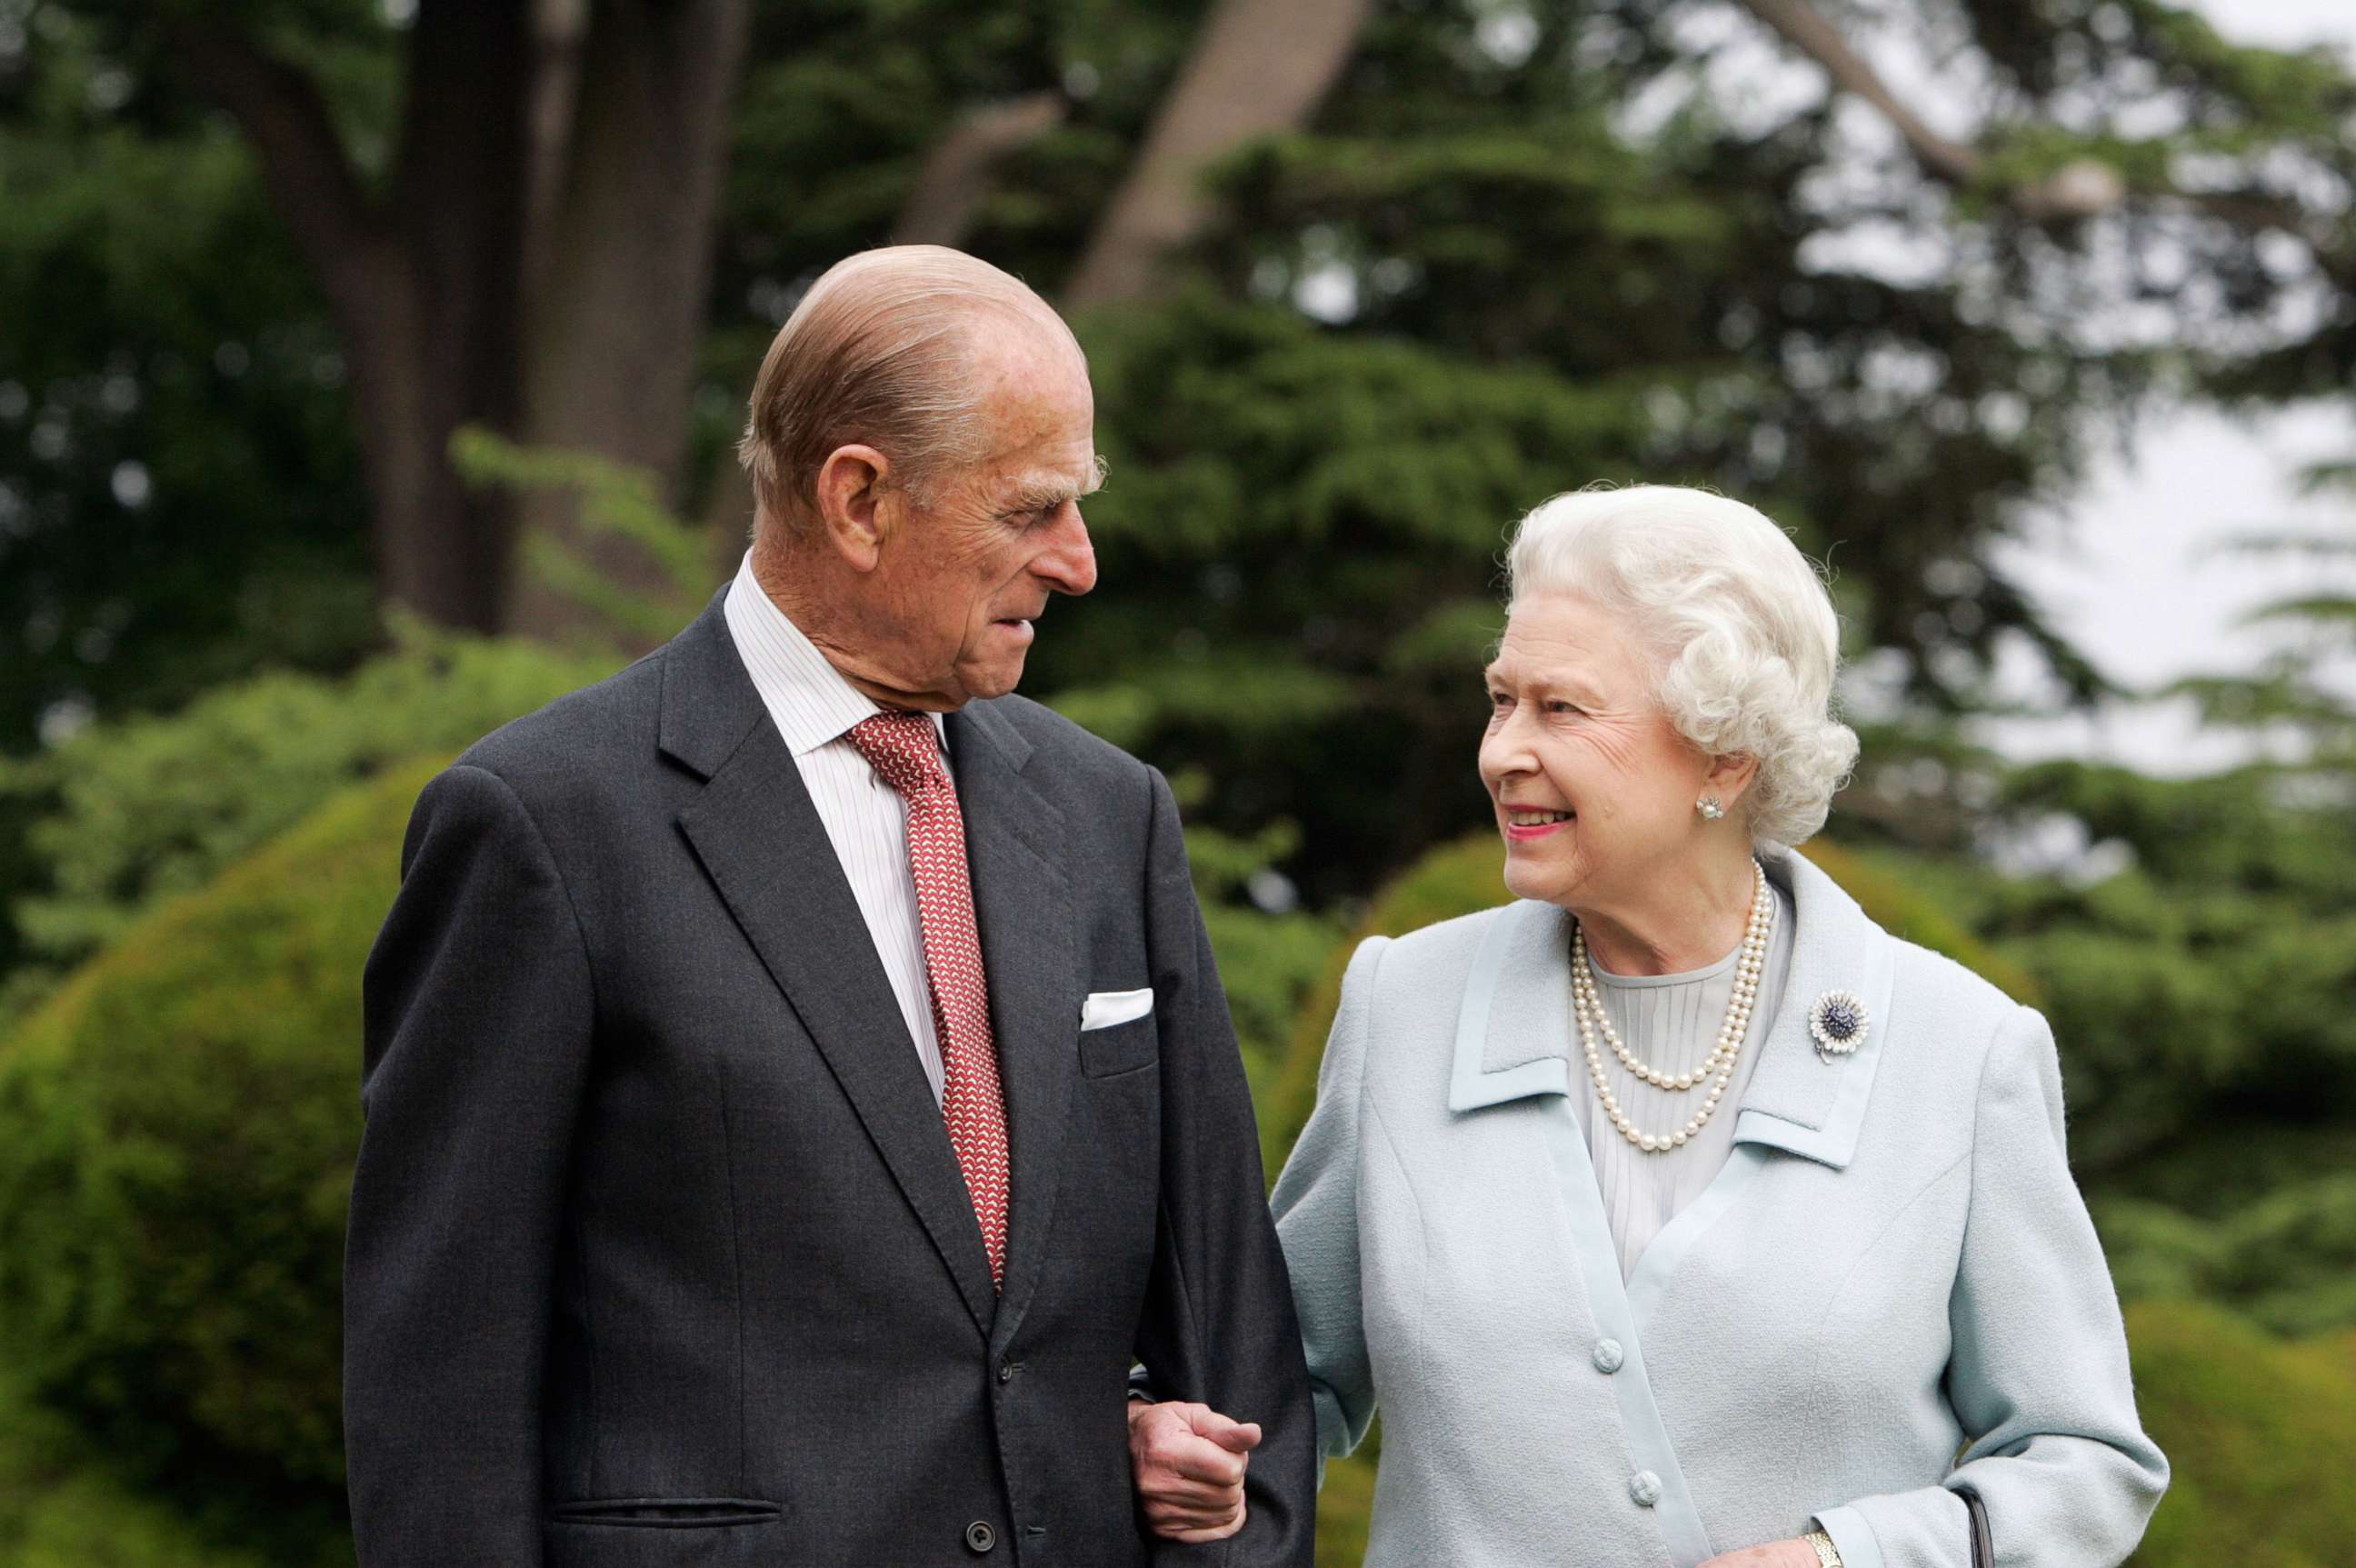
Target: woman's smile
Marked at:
1523, 823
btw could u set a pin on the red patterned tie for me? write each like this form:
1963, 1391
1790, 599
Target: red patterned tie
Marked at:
904, 750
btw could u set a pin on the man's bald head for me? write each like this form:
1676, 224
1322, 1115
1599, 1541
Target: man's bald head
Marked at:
882, 351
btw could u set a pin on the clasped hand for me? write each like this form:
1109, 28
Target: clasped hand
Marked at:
1190, 1461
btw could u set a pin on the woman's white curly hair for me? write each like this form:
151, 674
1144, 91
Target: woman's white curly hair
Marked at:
1746, 635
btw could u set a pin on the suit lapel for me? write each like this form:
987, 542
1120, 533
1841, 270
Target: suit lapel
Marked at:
759, 838
1023, 902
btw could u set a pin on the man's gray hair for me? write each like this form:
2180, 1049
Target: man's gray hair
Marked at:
1745, 635
878, 353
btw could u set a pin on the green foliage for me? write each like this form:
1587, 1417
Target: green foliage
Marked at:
2286, 1259
177, 1128
180, 498
2261, 1433
1267, 957
1244, 441
615, 501
136, 811
62, 1506
1344, 1506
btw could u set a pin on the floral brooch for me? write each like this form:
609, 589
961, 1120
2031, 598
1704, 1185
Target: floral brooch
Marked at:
1838, 1021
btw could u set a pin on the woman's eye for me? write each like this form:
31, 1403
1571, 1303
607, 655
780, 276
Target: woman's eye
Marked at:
1558, 707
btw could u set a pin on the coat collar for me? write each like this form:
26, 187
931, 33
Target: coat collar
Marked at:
1515, 1036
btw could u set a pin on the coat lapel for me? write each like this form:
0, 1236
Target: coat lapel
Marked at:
758, 836
1515, 1036
1797, 1101
1023, 902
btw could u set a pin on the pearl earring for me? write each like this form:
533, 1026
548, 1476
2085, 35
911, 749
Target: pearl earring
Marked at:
1710, 807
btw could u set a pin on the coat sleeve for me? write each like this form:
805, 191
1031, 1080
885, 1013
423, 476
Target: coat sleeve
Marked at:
1317, 1219
478, 1020
2038, 1374
1217, 1327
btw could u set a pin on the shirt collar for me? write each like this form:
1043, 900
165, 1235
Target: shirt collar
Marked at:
806, 694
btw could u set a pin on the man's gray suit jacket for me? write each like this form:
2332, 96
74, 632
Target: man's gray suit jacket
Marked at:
660, 1254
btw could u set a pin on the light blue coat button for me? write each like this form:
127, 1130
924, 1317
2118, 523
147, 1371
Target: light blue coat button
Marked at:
1645, 1487
1608, 1355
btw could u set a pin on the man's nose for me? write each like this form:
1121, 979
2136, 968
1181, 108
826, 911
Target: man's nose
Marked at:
1068, 564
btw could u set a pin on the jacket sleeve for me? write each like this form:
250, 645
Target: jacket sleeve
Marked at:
1317, 1219
1217, 1327
478, 1021
2038, 1374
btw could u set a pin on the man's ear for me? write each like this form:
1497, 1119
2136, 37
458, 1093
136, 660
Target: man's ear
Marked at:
854, 503
1730, 776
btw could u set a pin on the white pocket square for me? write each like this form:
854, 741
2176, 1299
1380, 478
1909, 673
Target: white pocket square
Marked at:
1103, 1009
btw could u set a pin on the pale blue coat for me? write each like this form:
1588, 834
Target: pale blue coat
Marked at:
1891, 1289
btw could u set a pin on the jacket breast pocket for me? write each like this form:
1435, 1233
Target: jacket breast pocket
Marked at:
1120, 1048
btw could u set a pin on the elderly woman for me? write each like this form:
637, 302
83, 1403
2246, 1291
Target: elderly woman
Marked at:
1677, 1213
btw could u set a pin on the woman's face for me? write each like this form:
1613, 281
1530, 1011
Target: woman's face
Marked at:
1593, 789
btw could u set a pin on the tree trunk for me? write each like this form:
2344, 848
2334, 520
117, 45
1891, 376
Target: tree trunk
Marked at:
617, 318
424, 289
1259, 67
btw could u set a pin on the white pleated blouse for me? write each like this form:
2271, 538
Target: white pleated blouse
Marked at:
1671, 1021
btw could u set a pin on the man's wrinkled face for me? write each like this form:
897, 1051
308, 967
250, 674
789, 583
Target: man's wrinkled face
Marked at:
966, 573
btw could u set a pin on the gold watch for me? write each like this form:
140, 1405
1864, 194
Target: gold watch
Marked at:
1827, 1554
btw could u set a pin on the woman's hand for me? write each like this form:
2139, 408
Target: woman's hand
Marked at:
1189, 1463
1774, 1555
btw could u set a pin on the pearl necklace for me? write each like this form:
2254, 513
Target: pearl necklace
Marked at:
1715, 1070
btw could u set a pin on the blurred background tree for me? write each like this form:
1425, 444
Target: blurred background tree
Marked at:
363, 349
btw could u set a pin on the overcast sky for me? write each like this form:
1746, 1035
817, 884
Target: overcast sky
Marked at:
2131, 570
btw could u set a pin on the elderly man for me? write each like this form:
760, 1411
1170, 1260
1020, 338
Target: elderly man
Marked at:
797, 1085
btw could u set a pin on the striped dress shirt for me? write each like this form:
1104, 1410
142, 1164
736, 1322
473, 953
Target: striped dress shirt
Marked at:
814, 708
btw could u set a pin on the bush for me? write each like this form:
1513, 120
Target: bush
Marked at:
135, 811
60, 1507
177, 1128
2262, 1434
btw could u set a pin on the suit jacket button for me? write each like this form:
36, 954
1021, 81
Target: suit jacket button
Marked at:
1645, 1489
1608, 1355
1006, 1371
979, 1537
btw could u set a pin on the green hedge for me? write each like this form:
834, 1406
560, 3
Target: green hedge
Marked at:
2262, 1434
177, 1127
145, 808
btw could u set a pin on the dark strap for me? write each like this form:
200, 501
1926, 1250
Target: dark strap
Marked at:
1983, 1544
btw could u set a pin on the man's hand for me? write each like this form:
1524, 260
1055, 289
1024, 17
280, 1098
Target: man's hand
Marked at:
1189, 1461
1774, 1555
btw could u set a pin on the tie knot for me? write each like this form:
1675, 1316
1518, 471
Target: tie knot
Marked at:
904, 749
